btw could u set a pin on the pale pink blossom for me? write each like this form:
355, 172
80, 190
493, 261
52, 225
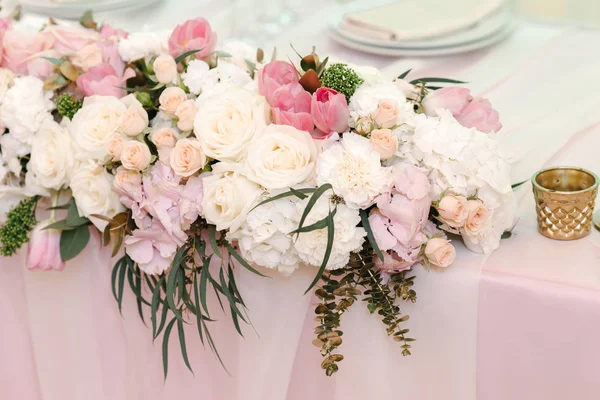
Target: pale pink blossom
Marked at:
290, 105
480, 115
110, 33
68, 39
453, 210
43, 253
5, 25
329, 110
104, 80
411, 181
192, 195
452, 98
274, 75
22, 53
194, 34
440, 252
151, 248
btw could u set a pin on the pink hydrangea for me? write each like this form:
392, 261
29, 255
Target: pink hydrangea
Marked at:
151, 249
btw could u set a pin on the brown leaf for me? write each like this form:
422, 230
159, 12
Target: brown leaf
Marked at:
310, 81
55, 82
69, 71
118, 243
260, 55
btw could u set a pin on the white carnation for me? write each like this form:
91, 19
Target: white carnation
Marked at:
144, 44
25, 107
196, 76
353, 168
370, 75
348, 238
366, 99
199, 78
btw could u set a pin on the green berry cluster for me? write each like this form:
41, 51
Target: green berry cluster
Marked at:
19, 222
67, 105
342, 79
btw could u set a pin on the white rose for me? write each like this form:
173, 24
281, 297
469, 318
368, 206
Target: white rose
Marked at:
226, 123
92, 189
94, 124
186, 112
135, 155
114, 146
139, 45
51, 156
133, 121
282, 156
170, 99
165, 69
187, 157
228, 196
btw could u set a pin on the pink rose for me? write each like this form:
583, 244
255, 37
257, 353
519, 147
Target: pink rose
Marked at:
274, 75
110, 56
194, 34
22, 53
478, 217
152, 249
452, 98
43, 253
386, 115
384, 142
291, 106
329, 110
103, 80
480, 115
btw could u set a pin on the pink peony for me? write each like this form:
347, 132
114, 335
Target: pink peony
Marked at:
110, 33
43, 253
104, 80
411, 182
68, 39
194, 34
22, 53
291, 106
110, 56
274, 75
452, 98
480, 115
152, 248
329, 110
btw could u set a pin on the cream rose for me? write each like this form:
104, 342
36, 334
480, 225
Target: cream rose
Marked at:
170, 99
164, 137
135, 155
127, 177
228, 196
384, 142
226, 123
114, 146
478, 217
440, 252
282, 156
51, 157
187, 157
94, 124
92, 189
186, 112
133, 121
87, 57
453, 210
386, 115
165, 69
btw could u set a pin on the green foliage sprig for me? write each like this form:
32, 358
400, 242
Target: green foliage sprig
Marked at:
342, 79
19, 222
67, 105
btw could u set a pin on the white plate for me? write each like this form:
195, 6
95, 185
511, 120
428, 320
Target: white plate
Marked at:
425, 52
74, 10
485, 28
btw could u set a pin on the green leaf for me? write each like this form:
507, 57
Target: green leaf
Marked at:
212, 233
163, 319
241, 260
203, 280
298, 194
330, 237
230, 298
172, 286
320, 224
139, 298
516, 185
223, 54
72, 242
87, 17
113, 278
154, 306
312, 201
364, 217
234, 287
506, 235
121, 285
60, 225
61, 207
435, 80
183, 347
199, 315
283, 195
73, 218
55, 61
186, 55
404, 74
165, 346
212, 346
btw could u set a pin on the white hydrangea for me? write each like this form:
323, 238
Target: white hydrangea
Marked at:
240, 52
144, 44
365, 100
264, 236
25, 107
370, 75
348, 237
354, 170
199, 78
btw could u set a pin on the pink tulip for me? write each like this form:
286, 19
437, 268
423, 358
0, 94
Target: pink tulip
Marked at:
43, 253
5, 24
194, 34
111, 56
104, 80
453, 98
329, 110
291, 106
274, 75
480, 115
23, 52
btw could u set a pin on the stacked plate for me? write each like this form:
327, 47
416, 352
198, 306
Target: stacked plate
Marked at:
425, 27
75, 8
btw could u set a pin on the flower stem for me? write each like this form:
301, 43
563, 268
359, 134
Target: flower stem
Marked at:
54, 204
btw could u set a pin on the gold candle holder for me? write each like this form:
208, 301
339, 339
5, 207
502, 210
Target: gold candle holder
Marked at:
565, 198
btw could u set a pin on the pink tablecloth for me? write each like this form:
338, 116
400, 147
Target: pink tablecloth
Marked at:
520, 324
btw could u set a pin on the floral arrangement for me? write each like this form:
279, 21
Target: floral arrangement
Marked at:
197, 161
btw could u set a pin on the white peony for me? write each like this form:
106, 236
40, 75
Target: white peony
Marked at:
92, 188
226, 123
52, 157
353, 168
199, 78
348, 238
281, 157
144, 45
25, 107
94, 124
264, 236
365, 101
228, 196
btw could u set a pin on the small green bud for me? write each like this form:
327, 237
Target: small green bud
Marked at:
145, 99
342, 79
19, 222
67, 105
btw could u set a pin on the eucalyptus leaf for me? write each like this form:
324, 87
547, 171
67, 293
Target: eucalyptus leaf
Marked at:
516, 185
55, 61
230, 298
154, 306
203, 280
435, 80
199, 315
186, 55
298, 193
60, 225
221, 53
72, 242
312, 201
330, 237
404, 74
241, 260
212, 233
364, 217
320, 224
165, 346
172, 287
121, 285
181, 334
283, 195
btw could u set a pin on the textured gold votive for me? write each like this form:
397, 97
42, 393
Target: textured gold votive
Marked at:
565, 198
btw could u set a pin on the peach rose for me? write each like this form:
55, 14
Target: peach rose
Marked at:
114, 146
135, 155
165, 69
440, 252
164, 137
478, 217
364, 125
127, 177
384, 142
386, 115
170, 99
187, 157
453, 210
186, 113
133, 121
